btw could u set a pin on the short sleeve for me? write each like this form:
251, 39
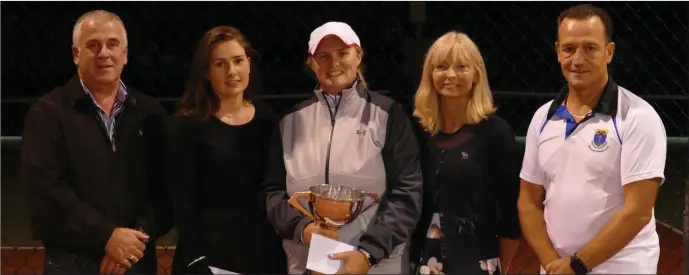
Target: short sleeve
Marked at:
644, 147
531, 169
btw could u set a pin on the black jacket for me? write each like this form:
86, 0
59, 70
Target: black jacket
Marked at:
80, 188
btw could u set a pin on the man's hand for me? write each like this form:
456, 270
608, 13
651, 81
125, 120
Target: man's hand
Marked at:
559, 266
318, 229
126, 244
355, 262
110, 266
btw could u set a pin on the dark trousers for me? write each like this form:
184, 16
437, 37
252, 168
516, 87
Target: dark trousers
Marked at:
60, 261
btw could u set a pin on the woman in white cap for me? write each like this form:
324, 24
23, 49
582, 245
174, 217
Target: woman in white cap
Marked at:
346, 135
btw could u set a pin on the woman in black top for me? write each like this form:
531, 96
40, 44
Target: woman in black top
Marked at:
469, 163
218, 147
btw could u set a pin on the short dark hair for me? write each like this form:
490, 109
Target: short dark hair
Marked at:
198, 98
586, 11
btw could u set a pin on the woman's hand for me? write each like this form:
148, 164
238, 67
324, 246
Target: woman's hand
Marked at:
354, 262
320, 230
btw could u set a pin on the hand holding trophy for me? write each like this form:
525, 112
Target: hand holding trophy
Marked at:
318, 228
332, 206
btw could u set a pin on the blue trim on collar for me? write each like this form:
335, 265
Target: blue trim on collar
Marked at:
563, 113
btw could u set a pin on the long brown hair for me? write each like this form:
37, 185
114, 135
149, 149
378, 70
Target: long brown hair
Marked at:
198, 98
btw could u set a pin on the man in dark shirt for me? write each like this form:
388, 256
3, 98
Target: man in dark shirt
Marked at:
91, 158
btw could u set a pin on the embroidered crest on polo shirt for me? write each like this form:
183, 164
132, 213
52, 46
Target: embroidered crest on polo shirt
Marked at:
600, 141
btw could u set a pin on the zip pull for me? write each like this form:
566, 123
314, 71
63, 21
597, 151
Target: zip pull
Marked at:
114, 147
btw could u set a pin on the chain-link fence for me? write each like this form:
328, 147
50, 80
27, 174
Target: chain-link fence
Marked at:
516, 40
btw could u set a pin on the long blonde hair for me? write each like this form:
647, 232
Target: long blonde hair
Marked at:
460, 48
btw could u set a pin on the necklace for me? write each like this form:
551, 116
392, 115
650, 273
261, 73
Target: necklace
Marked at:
577, 116
239, 116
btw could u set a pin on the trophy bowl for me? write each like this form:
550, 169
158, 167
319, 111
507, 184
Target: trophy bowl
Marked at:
333, 205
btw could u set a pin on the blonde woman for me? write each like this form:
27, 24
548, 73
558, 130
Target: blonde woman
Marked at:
469, 165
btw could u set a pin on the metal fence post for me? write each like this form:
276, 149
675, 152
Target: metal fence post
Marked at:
686, 193
686, 184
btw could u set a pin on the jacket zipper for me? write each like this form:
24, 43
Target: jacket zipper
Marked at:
113, 141
106, 135
117, 120
330, 142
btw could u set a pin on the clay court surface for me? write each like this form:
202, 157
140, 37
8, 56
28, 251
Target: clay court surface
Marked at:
30, 260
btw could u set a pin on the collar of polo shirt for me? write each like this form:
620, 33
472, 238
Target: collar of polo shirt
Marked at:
607, 104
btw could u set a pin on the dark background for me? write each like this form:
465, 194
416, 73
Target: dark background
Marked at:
516, 40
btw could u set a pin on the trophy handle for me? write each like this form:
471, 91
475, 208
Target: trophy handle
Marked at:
294, 201
374, 199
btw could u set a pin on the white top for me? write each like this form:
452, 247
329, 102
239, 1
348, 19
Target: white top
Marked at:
583, 173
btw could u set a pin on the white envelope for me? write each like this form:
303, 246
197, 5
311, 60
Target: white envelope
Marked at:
319, 250
216, 270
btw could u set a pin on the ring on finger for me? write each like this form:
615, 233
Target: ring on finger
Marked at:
131, 259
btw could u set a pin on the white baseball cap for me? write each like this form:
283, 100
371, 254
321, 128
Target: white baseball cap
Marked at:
339, 29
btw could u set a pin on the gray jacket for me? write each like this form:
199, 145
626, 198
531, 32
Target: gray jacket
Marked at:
369, 145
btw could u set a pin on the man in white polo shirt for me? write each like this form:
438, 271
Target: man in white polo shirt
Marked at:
593, 162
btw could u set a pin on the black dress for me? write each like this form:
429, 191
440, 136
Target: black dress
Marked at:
471, 187
215, 174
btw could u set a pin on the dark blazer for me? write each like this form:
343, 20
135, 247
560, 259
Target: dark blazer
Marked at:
80, 185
